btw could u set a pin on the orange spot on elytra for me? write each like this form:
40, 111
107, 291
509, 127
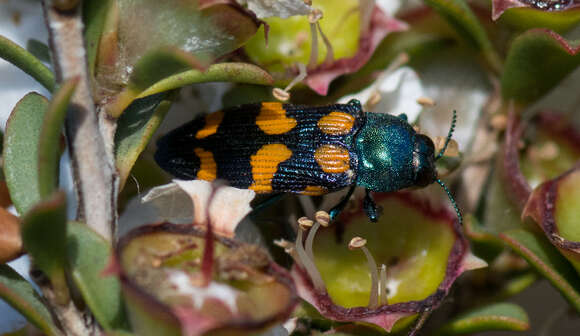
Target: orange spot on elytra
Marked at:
265, 164
212, 122
314, 191
336, 123
332, 158
208, 168
272, 119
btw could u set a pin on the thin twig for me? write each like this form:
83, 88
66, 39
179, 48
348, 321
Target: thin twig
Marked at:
69, 318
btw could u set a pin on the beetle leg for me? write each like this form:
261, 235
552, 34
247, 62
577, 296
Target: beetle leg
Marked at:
337, 209
355, 103
370, 207
265, 203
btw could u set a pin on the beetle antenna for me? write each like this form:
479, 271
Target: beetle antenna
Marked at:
452, 200
448, 136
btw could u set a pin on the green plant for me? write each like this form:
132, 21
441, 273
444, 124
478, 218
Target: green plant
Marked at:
119, 66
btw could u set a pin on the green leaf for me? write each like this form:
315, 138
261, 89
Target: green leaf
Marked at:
537, 60
21, 150
459, 15
49, 141
38, 49
88, 256
154, 39
44, 237
517, 284
134, 130
246, 94
222, 72
546, 259
501, 212
95, 15
26, 62
20, 295
204, 31
497, 316
150, 69
524, 18
160, 64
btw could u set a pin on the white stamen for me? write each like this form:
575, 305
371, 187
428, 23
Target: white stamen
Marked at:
302, 73
322, 219
310, 240
359, 243
383, 290
307, 262
314, 46
329, 50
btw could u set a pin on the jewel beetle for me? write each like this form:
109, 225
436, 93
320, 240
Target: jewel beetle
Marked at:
309, 150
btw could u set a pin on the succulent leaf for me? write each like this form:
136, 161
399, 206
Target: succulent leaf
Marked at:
546, 259
559, 15
537, 60
497, 316
20, 294
20, 152
27, 62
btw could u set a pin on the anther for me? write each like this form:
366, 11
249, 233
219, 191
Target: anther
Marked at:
305, 223
499, 122
315, 15
289, 248
356, 243
322, 217
280, 94
450, 146
373, 100
425, 101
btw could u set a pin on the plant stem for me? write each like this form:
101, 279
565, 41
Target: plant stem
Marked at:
89, 140
69, 318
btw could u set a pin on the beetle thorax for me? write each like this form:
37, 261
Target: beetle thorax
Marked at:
385, 150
